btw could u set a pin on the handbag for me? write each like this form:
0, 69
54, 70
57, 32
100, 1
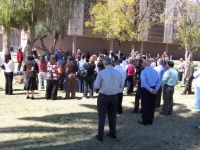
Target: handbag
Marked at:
33, 68
84, 73
3, 67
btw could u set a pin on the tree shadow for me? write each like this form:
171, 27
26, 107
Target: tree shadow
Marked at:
77, 131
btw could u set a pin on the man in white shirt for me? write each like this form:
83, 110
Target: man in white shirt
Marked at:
120, 94
108, 82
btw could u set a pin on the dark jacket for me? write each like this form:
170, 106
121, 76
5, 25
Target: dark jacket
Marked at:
72, 65
189, 72
90, 68
31, 69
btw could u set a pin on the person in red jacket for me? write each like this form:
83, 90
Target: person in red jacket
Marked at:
19, 58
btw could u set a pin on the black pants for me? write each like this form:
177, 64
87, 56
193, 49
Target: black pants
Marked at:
8, 84
52, 89
158, 97
61, 81
180, 76
148, 106
107, 103
129, 84
19, 66
119, 104
188, 87
137, 98
168, 92
89, 81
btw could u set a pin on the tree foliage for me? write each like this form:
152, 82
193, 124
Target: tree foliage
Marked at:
189, 25
55, 23
186, 22
122, 19
21, 13
39, 18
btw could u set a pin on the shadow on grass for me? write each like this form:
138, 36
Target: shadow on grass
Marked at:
77, 131
65, 118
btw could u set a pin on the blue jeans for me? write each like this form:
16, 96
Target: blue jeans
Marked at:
80, 84
197, 97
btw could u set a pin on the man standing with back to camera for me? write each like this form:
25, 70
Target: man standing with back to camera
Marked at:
169, 80
108, 82
150, 83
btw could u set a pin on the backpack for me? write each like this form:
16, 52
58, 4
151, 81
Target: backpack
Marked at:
84, 73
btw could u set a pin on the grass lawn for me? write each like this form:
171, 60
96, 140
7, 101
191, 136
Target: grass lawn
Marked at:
72, 124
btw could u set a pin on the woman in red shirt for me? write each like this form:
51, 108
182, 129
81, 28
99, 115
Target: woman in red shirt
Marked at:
19, 58
42, 75
130, 71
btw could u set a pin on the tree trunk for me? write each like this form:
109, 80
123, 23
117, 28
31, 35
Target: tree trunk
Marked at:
55, 40
43, 47
53, 46
6, 40
30, 41
119, 46
133, 46
188, 55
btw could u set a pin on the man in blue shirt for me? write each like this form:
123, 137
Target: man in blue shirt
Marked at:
161, 70
169, 80
150, 83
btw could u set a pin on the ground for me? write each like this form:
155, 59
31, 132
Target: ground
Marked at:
72, 124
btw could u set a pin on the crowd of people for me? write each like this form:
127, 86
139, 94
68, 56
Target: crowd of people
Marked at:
108, 75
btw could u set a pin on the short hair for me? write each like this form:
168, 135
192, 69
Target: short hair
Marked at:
171, 64
115, 57
107, 61
71, 58
117, 61
120, 60
100, 65
83, 55
160, 61
52, 59
147, 62
124, 58
30, 58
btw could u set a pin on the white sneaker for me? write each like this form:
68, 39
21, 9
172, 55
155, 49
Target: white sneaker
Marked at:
83, 98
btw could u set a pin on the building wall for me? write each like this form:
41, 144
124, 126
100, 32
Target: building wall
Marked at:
94, 45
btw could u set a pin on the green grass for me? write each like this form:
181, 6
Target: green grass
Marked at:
72, 124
